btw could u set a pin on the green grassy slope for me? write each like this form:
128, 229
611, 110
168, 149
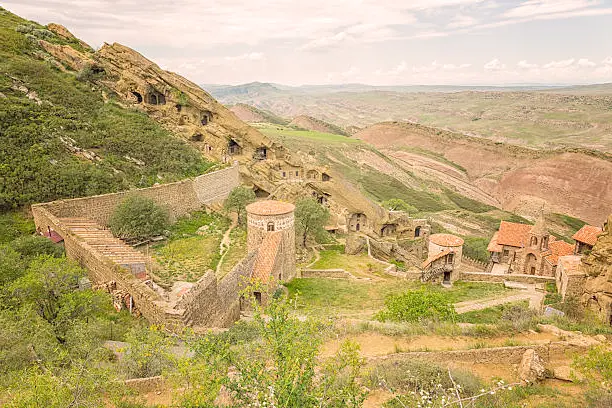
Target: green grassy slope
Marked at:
35, 161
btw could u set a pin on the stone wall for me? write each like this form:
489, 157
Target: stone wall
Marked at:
208, 303
515, 277
493, 355
179, 198
326, 273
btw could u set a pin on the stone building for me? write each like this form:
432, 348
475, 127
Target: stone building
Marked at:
526, 249
271, 232
445, 252
570, 277
586, 238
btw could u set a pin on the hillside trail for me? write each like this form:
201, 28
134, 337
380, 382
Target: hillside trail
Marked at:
226, 242
534, 297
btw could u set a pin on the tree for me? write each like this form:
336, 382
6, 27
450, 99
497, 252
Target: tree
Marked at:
397, 204
238, 199
138, 217
310, 218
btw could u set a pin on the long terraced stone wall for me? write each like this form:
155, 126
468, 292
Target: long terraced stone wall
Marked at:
178, 198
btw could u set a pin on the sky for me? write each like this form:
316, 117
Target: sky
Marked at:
377, 42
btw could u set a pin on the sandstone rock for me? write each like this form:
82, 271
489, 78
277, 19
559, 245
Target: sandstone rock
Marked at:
565, 373
68, 55
354, 244
601, 338
531, 369
63, 32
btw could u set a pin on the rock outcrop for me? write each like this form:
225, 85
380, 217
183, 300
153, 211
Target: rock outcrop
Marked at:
598, 266
531, 368
318, 125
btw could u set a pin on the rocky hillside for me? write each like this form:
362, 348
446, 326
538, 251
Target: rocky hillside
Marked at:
317, 125
518, 179
250, 114
63, 133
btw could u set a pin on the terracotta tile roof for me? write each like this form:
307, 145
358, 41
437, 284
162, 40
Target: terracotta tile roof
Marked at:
446, 240
270, 207
587, 234
493, 245
266, 257
558, 249
435, 257
513, 234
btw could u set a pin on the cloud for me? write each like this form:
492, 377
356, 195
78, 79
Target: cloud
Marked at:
494, 65
525, 65
585, 63
607, 61
251, 56
462, 21
559, 64
532, 8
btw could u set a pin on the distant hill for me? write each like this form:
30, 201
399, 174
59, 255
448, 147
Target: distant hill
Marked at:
597, 89
318, 125
251, 114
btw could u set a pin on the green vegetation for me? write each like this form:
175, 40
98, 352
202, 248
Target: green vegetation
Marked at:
237, 201
397, 204
288, 135
122, 148
310, 218
138, 217
596, 367
416, 306
476, 248
358, 265
574, 224
13, 225
193, 248
332, 297
467, 203
490, 315
236, 252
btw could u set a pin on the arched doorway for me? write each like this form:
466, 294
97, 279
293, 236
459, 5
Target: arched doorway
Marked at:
531, 262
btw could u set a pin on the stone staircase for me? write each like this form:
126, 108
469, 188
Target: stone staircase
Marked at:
103, 242
430, 273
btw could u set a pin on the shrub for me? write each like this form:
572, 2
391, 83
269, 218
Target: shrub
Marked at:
148, 354
520, 317
238, 199
32, 246
138, 217
418, 305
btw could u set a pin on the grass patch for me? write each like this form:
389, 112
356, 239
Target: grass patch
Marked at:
187, 255
467, 203
490, 315
358, 265
574, 224
330, 297
236, 252
284, 133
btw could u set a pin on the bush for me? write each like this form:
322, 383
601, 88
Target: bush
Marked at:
520, 317
32, 246
148, 354
138, 217
419, 305
476, 248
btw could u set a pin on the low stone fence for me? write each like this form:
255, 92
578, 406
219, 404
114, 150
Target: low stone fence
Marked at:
474, 263
147, 384
326, 273
493, 355
514, 277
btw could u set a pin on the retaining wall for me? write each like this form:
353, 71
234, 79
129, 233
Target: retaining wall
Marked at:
178, 198
326, 273
514, 277
493, 355
207, 303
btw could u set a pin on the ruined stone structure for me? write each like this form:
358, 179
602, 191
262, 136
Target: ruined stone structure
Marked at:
586, 238
123, 271
264, 165
526, 249
445, 252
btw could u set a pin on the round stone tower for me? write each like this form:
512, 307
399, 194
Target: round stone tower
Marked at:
273, 221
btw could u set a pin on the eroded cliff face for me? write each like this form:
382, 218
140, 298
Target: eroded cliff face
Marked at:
191, 113
598, 266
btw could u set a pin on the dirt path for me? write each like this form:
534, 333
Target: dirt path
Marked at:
535, 301
226, 241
